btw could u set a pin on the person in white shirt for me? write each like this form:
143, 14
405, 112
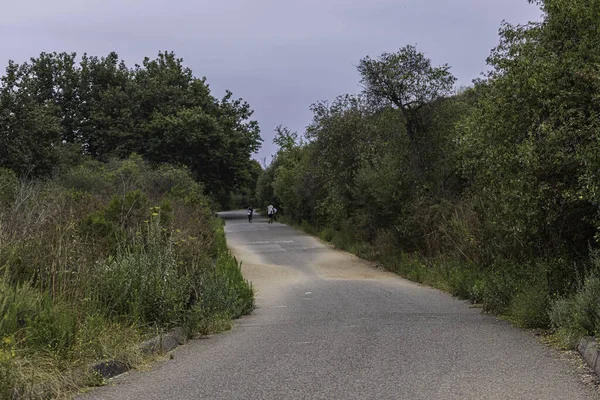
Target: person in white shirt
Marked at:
270, 213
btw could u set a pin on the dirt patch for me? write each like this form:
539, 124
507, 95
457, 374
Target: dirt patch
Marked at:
267, 279
337, 264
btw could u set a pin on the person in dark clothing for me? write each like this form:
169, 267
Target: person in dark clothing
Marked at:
250, 212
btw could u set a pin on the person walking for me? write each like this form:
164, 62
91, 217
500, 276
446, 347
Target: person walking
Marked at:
270, 213
250, 212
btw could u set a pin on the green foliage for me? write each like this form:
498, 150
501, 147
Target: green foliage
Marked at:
17, 304
88, 177
53, 327
8, 185
264, 187
247, 194
327, 234
95, 227
529, 142
53, 109
529, 307
464, 280
127, 210
93, 259
144, 285
578, 314
225, 294
405, 79
225, 291
29, 129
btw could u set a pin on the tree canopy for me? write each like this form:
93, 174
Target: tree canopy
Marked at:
57, 105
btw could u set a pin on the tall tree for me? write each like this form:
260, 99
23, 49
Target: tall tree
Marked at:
407, 81
104, 109
29, 129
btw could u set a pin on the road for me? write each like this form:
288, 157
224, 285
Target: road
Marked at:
330, 326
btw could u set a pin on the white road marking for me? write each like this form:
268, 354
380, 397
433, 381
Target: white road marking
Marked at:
266, 248
272, 241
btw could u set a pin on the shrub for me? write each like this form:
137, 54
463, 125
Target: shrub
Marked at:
143, 283
327, 234
89, 177
17, 304
88, 265
225, 291
8, 185
501, 282
579, 314
128, 210
529, 307
462, 279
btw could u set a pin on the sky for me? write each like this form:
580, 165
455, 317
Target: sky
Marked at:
280, 56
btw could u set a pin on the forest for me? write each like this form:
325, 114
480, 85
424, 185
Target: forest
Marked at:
491, 192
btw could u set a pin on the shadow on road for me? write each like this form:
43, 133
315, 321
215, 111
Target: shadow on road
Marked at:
240, 216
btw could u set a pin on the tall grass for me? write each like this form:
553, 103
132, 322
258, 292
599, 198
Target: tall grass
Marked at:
578, 314
94, 260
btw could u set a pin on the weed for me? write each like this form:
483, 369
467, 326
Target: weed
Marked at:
579, 314
99, 257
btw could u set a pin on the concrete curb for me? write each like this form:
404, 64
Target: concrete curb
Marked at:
157, 345
588, 348
163, 343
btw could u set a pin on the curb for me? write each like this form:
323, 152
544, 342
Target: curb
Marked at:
164, 342
588, 348
157, 345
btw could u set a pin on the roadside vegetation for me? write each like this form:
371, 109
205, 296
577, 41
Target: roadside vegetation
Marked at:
109, 180
89, 271
491, 192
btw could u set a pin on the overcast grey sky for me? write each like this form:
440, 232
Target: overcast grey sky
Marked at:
279, 55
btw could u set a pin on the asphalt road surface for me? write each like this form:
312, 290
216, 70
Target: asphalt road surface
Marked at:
330, 326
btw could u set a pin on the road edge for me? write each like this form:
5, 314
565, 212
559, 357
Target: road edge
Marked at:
588, 348
159, 344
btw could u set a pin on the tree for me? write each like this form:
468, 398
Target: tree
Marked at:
181, 122
407, 80
531, 141
285, 139
29, 130
101, 108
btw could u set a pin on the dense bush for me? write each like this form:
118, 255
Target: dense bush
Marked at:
99, 256
579, 313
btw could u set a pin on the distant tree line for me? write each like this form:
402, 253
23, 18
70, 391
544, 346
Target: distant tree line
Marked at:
57, 109
501, 179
